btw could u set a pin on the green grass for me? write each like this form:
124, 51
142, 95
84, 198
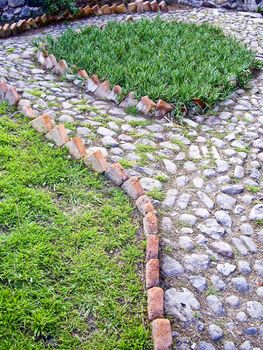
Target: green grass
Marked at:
70, 254
177, 62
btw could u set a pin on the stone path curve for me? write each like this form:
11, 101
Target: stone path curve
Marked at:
206, 178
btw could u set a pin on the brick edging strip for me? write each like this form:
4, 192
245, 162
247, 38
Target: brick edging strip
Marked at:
11, 29
102, 89
44, 124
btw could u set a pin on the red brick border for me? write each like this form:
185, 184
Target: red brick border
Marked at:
44, 124
102, 88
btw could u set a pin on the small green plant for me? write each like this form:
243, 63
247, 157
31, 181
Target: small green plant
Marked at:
156, 194
59, 5
131, 110
126, 163
36, 93
253, 189
10, 50
162, 178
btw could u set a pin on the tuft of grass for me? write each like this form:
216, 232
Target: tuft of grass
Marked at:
36, 93
70, 254
156, 194
177, 62
126, 163
253, 189
131, 110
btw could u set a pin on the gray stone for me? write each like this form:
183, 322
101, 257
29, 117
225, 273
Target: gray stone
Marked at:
229, 345
167, 224
211, 228
255, 310
203, 345
239, 172
105, 132
256, 212
244, 267
222, 248
240, 283
109, 141
241, 317
202, 213
186, 243
233, 301
232, 189
226, 269
217, 282
196, 262
180, 304
246, 229
225, 202
223, 218
198, 282
222, 166
205, 200
259, 292
258, 267
183, 200
188, 219
245, 346
215, 332
171, 267
215, 305
149, 184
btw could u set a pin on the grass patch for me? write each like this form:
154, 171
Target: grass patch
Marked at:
69, 252
177, 62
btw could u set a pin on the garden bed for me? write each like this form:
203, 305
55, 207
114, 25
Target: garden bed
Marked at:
70, 251
183, 64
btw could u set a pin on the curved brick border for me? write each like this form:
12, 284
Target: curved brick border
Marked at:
23, 25
44, 124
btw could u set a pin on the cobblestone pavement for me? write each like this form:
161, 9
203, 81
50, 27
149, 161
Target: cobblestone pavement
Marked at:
206, 178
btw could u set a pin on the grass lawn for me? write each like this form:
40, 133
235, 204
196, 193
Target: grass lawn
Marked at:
70, 255
177, 62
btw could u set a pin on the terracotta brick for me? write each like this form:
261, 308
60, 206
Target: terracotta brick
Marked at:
113, 8
28, 112
92, 83
61, 67
13, 28
163, 6
154, 6
58, 135
162, 108
106, 10
103, 90
121, 8
162, 334
83, 74
12, 97
152, 273
44, 20
2, 33
87, 11
155, 303
133, 187
117, 174
115, 93
145, 105
76, 147
132, 7
7, 30
129, 101
150, 224
32, 23
43, 124
139, 4
22, 26
97, 161
49, 63
24, 103
96, 10
144, 204
3, 89
152, 247
147, 6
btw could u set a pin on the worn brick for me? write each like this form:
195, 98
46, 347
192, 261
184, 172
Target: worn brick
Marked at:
3, 89
144, 204
132, 7
133, 187
97, 161
12, 96
162, 334
103, 90
76, 147
49, 63
58, 135
129, 101
162, 108
139, 4
121, 8
146, 105
86, 11
13, 28
28, 112
113, 8
83, 74
146, 6
163, 6
115, 93
117, 174
152, 247
61, 67
106, 10
154, 6
150, 224
43, 124
96, 10
22, 26
152, 273
155, 303
7, 30
32, 23
92, 83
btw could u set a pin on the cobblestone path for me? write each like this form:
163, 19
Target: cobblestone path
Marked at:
206, 178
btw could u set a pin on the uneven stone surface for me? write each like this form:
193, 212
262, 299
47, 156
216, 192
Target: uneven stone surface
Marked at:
208, 171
